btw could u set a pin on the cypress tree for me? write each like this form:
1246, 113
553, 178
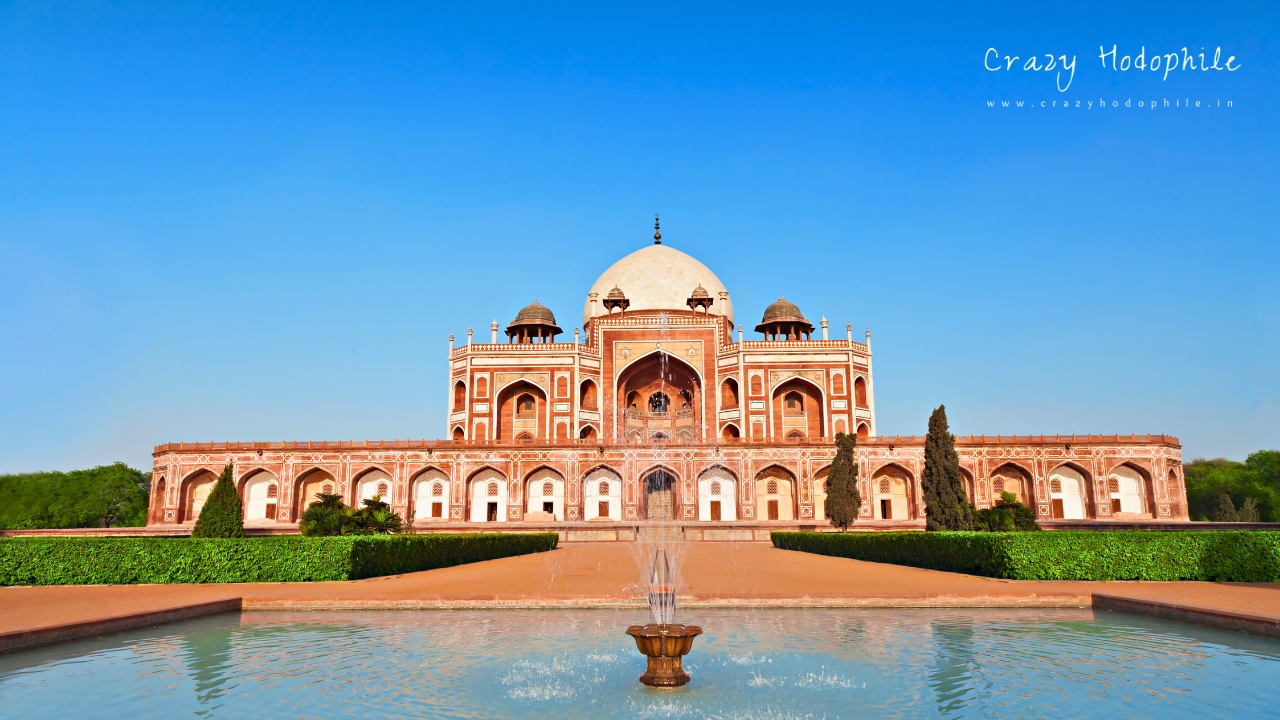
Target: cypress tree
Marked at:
946, 506
1226, 511
222, 515
843, 498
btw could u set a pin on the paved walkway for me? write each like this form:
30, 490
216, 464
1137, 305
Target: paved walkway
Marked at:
606, 574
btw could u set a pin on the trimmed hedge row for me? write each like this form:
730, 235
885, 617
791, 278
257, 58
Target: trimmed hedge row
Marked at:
129, 561
1217, 555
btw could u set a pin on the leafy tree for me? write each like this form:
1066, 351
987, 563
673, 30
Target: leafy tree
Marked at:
946, 504
223, 514
105, 496
1226, 510
843, 498
1257, 477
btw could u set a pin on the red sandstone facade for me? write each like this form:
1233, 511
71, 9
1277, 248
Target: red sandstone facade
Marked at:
662, 411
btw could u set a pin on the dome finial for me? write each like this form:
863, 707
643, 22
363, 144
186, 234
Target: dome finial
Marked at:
657, 236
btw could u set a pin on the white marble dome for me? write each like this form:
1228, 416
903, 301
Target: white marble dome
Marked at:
657, 277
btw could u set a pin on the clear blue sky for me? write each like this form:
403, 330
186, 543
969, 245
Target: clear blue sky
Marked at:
225, 222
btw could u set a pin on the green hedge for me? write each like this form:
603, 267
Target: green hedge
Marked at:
1219, 555
128, 561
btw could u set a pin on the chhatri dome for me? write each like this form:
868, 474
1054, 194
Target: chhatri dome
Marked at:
658, 277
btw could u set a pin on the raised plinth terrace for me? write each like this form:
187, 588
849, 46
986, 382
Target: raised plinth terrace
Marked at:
660, 409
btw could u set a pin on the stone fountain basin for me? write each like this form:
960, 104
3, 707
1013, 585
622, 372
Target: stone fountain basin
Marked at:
665, 646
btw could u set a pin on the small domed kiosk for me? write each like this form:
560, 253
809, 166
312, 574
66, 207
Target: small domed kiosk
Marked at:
783, 321
534, 323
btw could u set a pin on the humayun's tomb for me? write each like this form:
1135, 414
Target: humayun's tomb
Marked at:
659, 409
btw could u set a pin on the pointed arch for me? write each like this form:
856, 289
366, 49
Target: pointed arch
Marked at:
309, 483
1012, 476
893, 491
717, 494
486, 495
431, 495
776, 493
809, 418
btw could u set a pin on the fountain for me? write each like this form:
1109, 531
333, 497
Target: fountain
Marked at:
663, 641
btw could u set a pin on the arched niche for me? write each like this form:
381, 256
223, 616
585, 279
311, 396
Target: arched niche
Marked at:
374, 482
544, 496
641, 387
431, 496
892, 491
797, 409
522, 411
717, 496
195, 490
602, 495
1067, 493
775, 493
487, 496
261, 495
1013, 478
309, 485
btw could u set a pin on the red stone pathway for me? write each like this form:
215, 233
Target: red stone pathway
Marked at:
595, 574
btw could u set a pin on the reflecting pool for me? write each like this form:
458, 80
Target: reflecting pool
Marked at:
579, 664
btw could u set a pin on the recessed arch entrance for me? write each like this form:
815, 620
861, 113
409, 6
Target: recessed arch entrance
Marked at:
487, 493
775, 494
261, 494
797, 409
891, 488
544, 495
659, 495
660, 396
195, 490
308, 487
1067, 493
1011, 478
602, 495
431, 496
717, 496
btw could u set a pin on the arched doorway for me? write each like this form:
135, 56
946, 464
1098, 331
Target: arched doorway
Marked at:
488, 495
797, 410
820, 494
1126, 486
602, 495
659, 495
659, 397
891, 486
431, 496
775, 494
1066, 494
310, 485
544, 492
717, 496
1010, 478
374, 483
198, 487
261, 495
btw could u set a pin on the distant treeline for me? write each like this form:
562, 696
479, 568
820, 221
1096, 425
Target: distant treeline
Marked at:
1229, 490
106, 496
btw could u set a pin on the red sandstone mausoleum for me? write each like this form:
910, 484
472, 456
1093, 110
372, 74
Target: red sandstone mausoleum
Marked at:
659, 409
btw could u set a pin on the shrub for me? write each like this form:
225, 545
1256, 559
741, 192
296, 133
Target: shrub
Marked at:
222, 515
1224, 556
1007, 515
127, 561
328, 516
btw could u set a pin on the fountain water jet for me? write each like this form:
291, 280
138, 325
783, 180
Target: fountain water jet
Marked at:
663, 642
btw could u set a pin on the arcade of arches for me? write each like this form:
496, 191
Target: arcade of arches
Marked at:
659, 405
